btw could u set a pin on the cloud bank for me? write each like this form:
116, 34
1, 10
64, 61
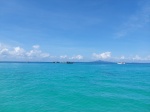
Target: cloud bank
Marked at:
8, 53
20, 53
104, 55
35, 54
77, 57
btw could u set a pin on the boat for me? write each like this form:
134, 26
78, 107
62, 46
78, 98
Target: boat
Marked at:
121, 63
69, 62
55, 62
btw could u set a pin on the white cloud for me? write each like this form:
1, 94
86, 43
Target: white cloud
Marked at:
104, 55
36, 46
18, 52
4, 51
63, 57
137, 58
45, 55
33, 53
77, 57
122, 57
11, 51
36, 53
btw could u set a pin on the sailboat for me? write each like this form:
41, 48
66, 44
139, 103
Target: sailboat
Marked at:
121, 63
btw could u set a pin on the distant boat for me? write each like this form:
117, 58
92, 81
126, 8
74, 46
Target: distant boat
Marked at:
63, 62
55, 62
69, 62
121, 63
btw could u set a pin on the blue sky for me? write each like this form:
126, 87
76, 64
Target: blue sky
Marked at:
75, 30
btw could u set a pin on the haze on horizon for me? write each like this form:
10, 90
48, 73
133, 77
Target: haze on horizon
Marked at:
75, 30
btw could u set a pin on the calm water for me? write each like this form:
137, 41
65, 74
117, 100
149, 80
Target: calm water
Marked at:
79, 87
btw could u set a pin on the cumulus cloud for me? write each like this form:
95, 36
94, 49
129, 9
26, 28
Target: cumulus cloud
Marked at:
45, 55
137, 58
18, 52
122, 57
33, 53
37, 53
4, 51
36, 46
63, 57
77, 57
104, 55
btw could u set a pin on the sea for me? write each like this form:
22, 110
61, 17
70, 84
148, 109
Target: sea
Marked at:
77, 87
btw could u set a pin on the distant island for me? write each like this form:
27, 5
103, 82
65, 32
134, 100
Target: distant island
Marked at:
104, 62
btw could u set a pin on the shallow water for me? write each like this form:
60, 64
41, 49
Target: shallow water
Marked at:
78, 87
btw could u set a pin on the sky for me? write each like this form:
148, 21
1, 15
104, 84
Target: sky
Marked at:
75, 30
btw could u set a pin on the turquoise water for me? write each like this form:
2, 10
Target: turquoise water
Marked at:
79, 87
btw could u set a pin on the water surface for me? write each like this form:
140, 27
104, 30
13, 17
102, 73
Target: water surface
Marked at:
78, 87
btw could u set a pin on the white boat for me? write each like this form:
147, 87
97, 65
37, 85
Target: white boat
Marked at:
121, 63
